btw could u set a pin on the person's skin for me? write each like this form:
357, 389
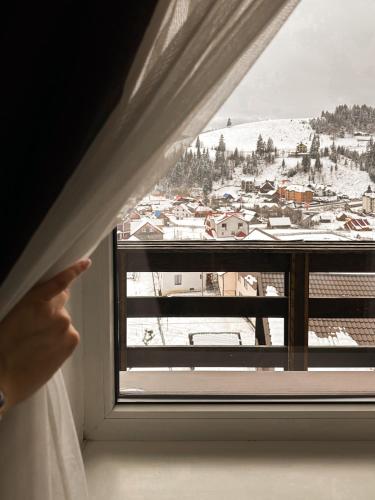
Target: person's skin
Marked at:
37, 336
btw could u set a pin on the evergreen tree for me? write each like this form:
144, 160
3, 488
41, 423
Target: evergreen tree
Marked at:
221, 146
315, 146
306, 163
318, 163
229, 122
198, 143
270, 146
261, 147
333, 155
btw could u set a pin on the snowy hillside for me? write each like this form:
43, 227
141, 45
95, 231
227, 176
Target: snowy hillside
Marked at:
286, 134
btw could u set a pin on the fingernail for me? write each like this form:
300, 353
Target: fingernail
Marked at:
86, 264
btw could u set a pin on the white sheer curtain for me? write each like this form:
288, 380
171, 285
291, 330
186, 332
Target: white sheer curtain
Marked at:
193, 55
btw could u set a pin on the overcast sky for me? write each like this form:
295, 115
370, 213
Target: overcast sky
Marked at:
323, 56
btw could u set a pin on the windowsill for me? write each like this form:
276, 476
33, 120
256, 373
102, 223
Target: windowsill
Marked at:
222, 470
252, 384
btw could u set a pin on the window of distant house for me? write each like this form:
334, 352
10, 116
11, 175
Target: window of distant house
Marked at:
178, 279
224, 226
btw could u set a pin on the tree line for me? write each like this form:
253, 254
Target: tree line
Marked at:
345, 119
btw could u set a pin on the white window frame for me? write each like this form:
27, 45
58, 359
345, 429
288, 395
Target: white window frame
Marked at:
104, 420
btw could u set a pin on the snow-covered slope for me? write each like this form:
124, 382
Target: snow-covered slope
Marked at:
286, 134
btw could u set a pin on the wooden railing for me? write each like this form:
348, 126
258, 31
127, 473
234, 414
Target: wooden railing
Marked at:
295, 260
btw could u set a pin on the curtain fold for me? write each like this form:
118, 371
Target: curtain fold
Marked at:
192, 57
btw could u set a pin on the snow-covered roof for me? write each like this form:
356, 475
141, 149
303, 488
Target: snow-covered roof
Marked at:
298, 188
248, 215
308, 235
139, 224
221, 218
280, 221
184, 206
203, 209
259, 235
338, 336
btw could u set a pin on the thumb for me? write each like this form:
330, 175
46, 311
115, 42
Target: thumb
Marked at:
57, 284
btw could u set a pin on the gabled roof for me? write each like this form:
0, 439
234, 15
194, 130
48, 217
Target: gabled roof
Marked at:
144, 223
259, 235
221, 218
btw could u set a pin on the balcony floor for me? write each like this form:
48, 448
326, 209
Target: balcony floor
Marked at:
230, 470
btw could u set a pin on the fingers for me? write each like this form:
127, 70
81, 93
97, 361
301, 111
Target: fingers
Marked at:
60, 300
53, 287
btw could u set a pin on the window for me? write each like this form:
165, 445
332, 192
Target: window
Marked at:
109, 416
305, 249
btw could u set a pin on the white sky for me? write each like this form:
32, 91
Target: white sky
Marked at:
323, 56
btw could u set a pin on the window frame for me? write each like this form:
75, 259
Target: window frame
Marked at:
106, 420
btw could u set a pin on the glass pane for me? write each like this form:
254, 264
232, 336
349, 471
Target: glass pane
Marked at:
292, 165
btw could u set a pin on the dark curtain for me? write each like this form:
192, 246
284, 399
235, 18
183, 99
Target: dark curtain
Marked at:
63, 67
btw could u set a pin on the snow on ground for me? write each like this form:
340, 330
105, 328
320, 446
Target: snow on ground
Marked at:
286, 133
140, 285
176, 330
187, 221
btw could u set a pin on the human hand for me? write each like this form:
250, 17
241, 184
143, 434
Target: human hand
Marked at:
37, 336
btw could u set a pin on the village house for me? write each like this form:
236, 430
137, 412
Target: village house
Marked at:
202, 211
301, 149
183, 211
296, 192
145, 231
279, 223
248, 185
176, 283
357, 224
123, 230
226, 225
246, 284
249, 215
237, 284
266, 187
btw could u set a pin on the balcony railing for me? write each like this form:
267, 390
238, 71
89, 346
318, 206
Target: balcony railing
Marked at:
295, 260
